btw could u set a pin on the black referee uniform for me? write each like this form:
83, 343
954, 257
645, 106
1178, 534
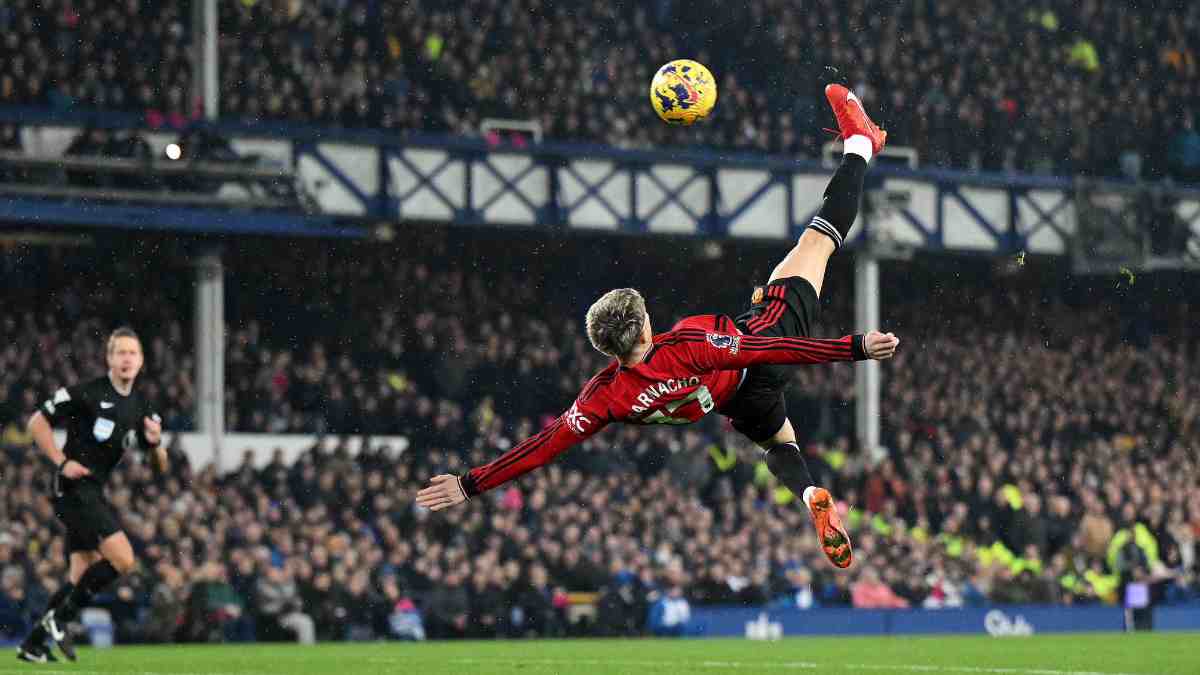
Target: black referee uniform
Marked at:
101, 426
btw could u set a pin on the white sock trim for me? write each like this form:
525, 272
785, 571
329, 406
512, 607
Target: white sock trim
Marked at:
807, 496
859, 145
825, 227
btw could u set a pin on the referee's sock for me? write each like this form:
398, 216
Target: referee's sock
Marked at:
38, 635
842, 195
95, 579
787, 464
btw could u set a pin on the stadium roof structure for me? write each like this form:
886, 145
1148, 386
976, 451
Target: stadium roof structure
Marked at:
349, 179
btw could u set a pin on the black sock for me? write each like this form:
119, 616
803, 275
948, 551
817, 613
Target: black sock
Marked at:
842, 196
787, 464
60, 595
38, 636
95, 579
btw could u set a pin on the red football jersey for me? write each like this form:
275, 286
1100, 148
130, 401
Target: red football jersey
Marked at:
692, 370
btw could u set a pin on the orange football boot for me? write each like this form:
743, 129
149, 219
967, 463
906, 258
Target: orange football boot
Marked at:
830, 532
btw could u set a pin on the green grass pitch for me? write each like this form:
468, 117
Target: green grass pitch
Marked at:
1092, 654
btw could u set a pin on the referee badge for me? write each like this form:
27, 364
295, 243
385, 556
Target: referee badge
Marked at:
103, 429
759, 292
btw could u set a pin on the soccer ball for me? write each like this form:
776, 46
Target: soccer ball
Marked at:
682, 92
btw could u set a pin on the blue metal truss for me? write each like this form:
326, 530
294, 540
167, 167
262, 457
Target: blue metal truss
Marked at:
703, 215
1045, 219
425, 181
546, 185
591, 190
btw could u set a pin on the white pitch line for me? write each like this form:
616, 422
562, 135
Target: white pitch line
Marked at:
792, 665
725, 665
35, 668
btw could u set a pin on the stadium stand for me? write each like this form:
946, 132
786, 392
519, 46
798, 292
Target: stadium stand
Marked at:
1042, 87
1040, 432
1014, 471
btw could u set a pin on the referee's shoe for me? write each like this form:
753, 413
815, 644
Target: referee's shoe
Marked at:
60, 635
35, 654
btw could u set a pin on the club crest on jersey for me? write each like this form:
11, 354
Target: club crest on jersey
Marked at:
759, 292
730, 342
103, 429
577, 420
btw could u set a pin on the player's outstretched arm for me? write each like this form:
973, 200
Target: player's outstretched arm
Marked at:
571, 427
721, 351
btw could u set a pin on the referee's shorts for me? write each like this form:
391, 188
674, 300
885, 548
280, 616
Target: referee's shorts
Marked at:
87, 515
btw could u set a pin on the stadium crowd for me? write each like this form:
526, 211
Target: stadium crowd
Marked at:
1047, 86
1014, 470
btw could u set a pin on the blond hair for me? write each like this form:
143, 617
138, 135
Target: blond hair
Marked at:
614, 322
122, 332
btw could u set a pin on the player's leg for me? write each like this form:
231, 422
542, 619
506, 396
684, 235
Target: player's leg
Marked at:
783, 457
825, 234
761, 416
786, 462
807, 259
839, 208
785, 308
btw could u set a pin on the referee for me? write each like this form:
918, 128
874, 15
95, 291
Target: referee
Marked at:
103, 418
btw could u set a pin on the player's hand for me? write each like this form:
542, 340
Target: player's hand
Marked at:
73, 470
443, 492
153, 431
880, 346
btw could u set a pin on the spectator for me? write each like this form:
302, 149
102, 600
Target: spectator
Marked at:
1032, 417
402, 619
1095, 527
487, 605
326, 604
423, 67
16, 609
670, 615
279, 608
618, 609
360, 608
534, 610
1184, 151
167, 606
800, 592
449, 608
215, 611
869, 592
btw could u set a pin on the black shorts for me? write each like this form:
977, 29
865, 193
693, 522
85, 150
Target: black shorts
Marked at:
89, 519
783, 308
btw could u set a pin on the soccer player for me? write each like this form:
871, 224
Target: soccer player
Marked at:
104, 418
737, 367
